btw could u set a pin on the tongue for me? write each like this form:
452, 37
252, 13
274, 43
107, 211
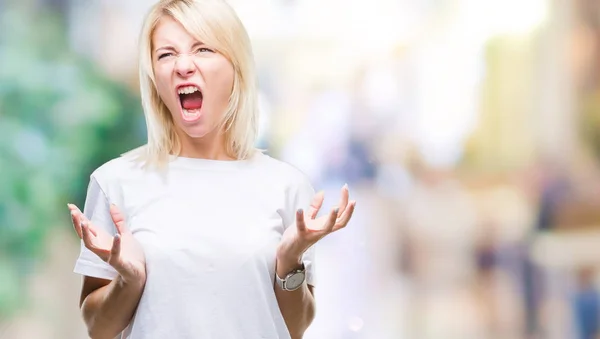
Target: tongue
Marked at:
191, 101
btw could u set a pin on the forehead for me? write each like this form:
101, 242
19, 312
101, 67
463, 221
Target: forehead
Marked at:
170, 31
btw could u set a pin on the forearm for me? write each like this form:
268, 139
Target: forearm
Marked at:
108, 310
297, 307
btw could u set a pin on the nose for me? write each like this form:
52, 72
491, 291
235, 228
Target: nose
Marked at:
184, 66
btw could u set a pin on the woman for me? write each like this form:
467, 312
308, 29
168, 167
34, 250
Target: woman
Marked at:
210, 237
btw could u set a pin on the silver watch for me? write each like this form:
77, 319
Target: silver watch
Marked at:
293, 280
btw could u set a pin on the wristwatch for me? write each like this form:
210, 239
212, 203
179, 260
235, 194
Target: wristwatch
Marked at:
293, 280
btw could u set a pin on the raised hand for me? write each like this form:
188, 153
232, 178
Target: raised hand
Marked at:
308, 229
121, 251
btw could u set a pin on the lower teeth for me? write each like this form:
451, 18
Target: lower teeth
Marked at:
191, 113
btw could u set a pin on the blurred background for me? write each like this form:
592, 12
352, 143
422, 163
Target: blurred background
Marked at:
468, 131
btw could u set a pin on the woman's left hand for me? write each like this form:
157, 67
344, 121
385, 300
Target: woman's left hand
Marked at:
307, 230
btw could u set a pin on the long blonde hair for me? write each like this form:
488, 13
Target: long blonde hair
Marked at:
215, 23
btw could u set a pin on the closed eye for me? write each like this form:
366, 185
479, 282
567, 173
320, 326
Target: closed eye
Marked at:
204, 49
164, 55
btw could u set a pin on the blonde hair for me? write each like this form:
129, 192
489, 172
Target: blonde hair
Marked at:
215, 23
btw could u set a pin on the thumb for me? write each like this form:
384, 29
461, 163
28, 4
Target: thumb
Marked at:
316, 204
300, 224
115, 251
118, 219
115, 254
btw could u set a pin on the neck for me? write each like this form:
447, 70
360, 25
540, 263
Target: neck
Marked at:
210, 146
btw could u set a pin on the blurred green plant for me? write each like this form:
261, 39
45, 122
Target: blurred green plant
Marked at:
60, 117
589, 122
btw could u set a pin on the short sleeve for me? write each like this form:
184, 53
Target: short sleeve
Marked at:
300, 196
97, 211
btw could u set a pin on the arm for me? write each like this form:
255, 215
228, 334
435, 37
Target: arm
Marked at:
297, 307
108, 306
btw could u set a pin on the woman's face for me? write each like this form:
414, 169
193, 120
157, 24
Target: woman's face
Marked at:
193, 80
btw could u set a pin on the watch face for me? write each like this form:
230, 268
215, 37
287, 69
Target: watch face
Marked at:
294, 281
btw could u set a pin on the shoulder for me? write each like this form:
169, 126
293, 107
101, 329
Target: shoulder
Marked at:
116, 169
285, 173
292, 184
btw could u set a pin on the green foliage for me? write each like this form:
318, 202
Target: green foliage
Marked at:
60, 118
589, 123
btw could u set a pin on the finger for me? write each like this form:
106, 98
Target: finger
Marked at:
300, 224
343, 200
331, 220
86, 236
76, 224
118, 219
79, 218
343, 221
92, 229
115, 251
82, 219
74, 208
316, 204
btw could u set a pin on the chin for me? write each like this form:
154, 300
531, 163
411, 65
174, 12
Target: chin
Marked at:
199, 130
196, 135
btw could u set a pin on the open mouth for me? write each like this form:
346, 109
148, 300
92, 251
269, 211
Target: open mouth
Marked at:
190, 98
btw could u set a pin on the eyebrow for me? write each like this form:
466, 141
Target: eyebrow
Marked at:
171, 48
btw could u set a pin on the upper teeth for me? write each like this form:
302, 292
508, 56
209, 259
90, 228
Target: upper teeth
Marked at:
187, 89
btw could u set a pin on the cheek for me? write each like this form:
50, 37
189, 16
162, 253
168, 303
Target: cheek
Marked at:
162, 86
228, 76
228, 80
222, 76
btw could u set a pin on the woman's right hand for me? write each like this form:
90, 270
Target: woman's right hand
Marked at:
122, 252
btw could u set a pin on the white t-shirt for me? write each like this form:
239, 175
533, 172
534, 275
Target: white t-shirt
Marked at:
209, 230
